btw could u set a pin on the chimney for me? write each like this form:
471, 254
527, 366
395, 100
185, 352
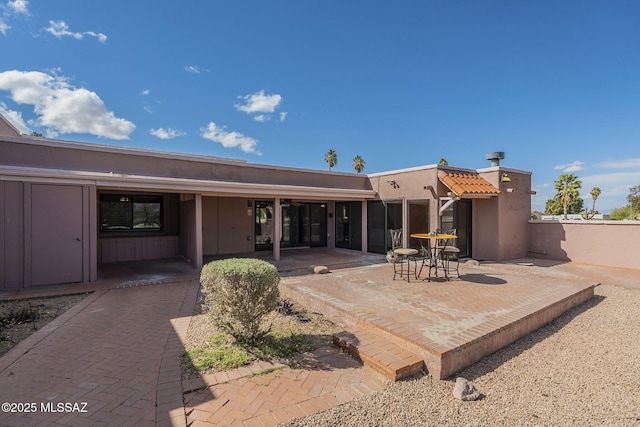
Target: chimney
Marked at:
495, 157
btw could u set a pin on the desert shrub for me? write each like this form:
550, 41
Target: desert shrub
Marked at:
239, 292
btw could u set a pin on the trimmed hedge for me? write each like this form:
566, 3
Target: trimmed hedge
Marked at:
239, 293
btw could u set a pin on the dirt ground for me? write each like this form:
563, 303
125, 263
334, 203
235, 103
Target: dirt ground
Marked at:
21, 318
317, 329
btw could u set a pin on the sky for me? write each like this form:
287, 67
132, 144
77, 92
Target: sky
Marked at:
555, 84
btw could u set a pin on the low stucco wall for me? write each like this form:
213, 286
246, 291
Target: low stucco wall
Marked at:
606, 243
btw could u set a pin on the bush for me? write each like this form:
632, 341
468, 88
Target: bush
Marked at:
239, 292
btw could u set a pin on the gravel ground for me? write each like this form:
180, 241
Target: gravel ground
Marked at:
582, 369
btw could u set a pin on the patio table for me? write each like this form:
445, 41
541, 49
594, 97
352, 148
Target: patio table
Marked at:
435, 251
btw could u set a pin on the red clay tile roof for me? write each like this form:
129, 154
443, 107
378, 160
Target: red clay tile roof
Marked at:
467, 185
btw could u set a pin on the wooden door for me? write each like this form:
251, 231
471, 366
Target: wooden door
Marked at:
56, 234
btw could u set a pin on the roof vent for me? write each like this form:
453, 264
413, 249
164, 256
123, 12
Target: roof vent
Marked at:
495, 157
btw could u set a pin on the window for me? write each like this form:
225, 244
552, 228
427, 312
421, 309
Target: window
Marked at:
119, 212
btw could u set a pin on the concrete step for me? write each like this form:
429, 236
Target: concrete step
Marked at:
377, 352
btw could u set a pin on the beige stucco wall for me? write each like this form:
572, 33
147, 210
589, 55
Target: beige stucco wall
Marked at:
606, 243
40, 153
501, 229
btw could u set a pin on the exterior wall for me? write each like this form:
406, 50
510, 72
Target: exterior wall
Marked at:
418, 184
210, 225
486, 229
42, 153
606, 243
48, 234
11, 235
503, 230
118, 249
227, 225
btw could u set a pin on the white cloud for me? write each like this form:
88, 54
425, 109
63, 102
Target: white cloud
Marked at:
260, 118
163, 133
283, 116
259, 103
632, 163
192, 69
571, 167
145, 92
614, 186
19, 7
60, 29
62, 108
11, 9
15, 118
219, 134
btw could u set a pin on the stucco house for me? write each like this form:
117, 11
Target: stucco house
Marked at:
66, 207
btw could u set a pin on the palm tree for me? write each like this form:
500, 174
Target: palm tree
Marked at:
567, 186
358, 163
331, 158
595, 192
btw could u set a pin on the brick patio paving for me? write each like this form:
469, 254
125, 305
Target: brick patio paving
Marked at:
118, 349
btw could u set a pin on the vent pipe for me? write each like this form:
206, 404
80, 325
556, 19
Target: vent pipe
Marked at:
495, 157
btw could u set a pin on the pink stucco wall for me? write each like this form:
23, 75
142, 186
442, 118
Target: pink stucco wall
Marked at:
606, 243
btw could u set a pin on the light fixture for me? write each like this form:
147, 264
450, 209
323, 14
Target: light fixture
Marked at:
505, 178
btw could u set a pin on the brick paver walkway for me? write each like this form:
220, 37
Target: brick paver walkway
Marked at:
117, 351
268, 394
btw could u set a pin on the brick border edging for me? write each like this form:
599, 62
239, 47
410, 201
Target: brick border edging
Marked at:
169, 400
34, 339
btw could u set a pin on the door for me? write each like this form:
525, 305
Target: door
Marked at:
304, 224
264, 226
349, 225
56, 234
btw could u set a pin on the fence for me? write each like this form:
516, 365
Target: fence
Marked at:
606, 243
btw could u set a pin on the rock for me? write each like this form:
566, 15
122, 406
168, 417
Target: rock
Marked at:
320, 269
465, 390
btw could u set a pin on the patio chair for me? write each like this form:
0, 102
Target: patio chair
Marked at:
396, 238
402, 254
448, 252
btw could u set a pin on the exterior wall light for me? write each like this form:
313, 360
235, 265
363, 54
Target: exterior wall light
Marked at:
505, 178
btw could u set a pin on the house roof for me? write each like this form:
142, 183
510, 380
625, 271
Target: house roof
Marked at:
467, 185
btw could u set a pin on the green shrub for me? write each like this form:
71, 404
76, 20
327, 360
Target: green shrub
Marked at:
239, 292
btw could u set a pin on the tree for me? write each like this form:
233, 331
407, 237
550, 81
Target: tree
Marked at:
634, 200
567, 186
331, 158
618, 214
358, 163
595, 192
443, 162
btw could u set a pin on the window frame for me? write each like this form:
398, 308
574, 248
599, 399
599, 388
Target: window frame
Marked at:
132, 200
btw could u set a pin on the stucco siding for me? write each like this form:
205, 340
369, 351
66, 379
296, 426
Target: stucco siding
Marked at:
606, 243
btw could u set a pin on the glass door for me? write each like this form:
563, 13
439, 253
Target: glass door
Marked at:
304, 224
263, 226
349, 225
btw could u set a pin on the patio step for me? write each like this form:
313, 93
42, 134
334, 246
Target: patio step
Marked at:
377, 352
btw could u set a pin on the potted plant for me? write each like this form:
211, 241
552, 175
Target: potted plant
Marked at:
391, 257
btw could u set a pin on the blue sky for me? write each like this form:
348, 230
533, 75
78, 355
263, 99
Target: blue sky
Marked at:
553, 84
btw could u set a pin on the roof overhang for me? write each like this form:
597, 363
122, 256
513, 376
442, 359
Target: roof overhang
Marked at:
111, 181
468, 185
